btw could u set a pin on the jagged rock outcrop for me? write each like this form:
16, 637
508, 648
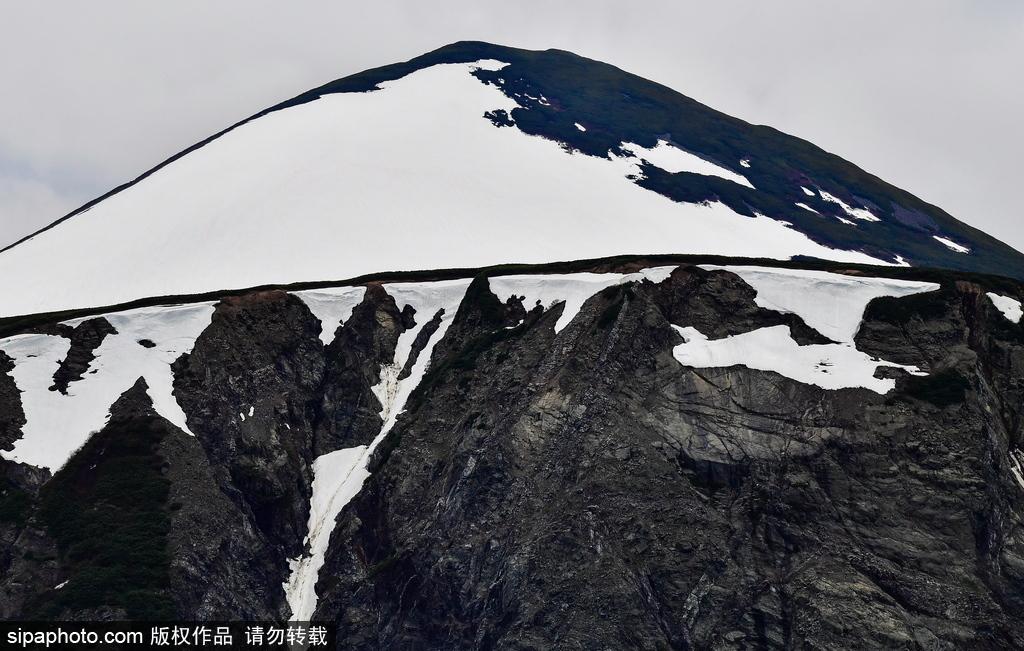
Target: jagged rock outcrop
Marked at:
349, 411
26, 555
85, 338
250, 388
12, 416
584, 490
577, 487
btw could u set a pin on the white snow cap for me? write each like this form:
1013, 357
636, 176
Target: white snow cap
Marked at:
1010, 307
358, 183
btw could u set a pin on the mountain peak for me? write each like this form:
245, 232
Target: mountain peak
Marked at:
470, 155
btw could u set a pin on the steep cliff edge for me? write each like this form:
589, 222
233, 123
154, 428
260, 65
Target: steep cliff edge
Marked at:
634, 454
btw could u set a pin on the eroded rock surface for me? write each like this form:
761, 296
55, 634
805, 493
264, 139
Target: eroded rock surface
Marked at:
583, 489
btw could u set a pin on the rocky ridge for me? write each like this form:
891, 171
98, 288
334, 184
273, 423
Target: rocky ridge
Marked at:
543, 488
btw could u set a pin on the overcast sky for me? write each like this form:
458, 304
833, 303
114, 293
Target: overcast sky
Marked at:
926, 94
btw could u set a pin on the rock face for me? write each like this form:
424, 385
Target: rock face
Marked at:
12, 416
85, 338
570, 487
249, 388
349, 410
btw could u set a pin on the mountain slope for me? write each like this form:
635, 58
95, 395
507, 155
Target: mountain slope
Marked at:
650, 451
469, 156
541, 460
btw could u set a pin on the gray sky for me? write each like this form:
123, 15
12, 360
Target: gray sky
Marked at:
926, 94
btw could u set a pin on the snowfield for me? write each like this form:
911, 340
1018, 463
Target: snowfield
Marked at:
829, 366
832, 304
57, 424
309, 193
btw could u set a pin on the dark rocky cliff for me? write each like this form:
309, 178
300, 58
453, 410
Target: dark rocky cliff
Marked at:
578, 489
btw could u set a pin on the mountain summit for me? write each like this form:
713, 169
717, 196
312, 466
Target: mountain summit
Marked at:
640, 441
471, 155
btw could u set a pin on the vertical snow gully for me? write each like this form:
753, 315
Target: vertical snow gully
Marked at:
339, 476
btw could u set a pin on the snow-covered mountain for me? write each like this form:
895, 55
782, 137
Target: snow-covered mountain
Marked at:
741, 395
469, 156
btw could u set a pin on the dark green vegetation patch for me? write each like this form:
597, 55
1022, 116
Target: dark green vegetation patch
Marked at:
107, 511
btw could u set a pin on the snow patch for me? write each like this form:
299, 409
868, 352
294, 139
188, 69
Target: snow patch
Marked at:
950, 244
572, 289
1010, 307
1017, 466
673, 159
806, 207
745, 162
829, 366
487, 64
332, 306
580, 126
809, 193
58, 424
858, 213
833, 304
339, 476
